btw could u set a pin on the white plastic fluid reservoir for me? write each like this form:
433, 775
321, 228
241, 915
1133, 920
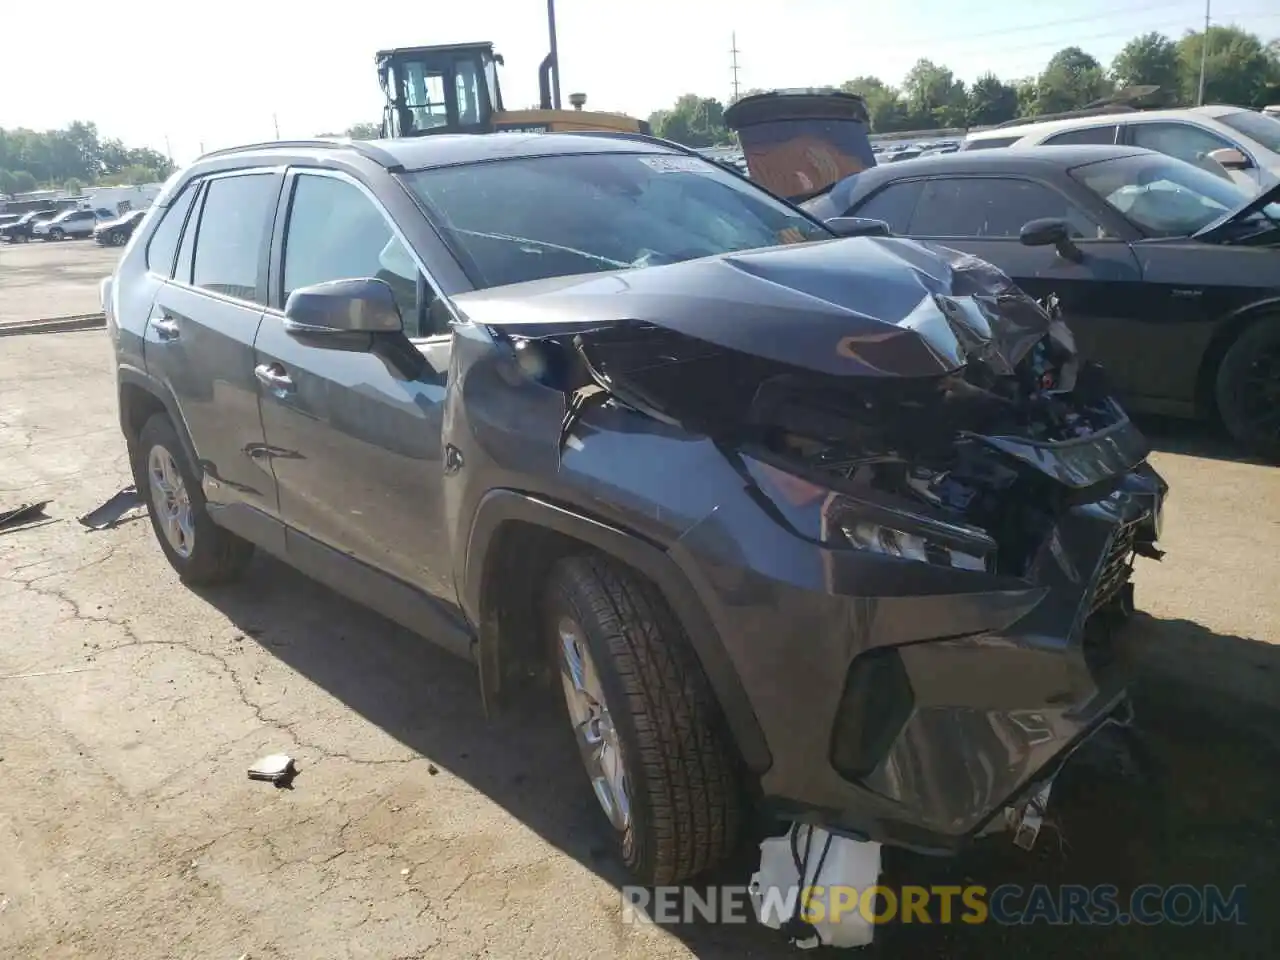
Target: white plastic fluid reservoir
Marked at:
848, 868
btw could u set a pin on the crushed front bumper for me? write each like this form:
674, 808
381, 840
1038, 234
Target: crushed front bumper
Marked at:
911, 703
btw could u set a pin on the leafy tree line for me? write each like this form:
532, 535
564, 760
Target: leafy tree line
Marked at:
73, 157
1241, 69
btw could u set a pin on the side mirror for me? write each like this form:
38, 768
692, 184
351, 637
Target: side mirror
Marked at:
337, 307
1231, 158
1050, 231
857, 227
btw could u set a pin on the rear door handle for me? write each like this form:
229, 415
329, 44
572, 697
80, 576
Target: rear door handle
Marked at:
274, 376
166, 327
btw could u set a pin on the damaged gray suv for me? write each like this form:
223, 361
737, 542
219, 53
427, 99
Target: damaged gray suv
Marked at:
808, 524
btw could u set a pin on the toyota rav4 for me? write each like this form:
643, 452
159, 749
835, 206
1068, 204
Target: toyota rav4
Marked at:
806, 523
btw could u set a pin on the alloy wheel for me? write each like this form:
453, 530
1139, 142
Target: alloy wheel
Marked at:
593, 726
171, 500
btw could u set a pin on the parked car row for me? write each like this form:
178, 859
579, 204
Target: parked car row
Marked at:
107, 228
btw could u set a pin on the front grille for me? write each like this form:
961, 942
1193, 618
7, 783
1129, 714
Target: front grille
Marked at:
1117, 566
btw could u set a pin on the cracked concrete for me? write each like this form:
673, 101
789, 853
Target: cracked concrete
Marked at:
131, 708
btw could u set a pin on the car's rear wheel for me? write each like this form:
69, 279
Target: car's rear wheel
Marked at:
644, 719
1248, 388
56, 234
196, 547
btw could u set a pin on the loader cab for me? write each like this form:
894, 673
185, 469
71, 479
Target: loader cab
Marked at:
450, 88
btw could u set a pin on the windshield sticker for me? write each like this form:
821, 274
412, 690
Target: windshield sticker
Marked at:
675, 164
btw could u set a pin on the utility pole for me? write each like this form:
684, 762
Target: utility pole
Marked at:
555, 55
168, 149
1204, 52
275, 122
734, 51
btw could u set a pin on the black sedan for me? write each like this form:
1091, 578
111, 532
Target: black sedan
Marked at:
1170, 277
116, 233
19, 231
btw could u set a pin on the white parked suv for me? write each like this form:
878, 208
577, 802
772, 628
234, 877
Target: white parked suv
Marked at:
1233, 142
69, 223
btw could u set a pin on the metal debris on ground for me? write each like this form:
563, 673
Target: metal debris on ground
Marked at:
278, 768
23, 514
113, 512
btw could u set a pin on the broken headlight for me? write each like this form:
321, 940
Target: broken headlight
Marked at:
908, 536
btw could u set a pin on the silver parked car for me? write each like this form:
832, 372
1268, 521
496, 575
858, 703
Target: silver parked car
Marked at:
69, 223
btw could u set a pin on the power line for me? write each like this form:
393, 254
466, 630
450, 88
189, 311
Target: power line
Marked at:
982, 37
1060, 43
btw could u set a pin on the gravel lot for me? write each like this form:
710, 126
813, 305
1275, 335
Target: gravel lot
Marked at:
40, 280
130, 708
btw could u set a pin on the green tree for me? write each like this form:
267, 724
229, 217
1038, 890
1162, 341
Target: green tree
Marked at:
73, 187
935, 98
694, 121
1239, 69
1151, 58
1028, 90
1071, 79
992, 101
358, 131
6, 182
884, 104
23, 181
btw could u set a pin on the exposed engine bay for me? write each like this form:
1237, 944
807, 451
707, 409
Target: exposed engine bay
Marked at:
962, 402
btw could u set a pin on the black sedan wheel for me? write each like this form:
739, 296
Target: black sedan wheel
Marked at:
1248, 388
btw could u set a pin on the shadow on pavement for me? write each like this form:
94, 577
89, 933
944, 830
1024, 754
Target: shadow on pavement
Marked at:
1193, 438
1207, 815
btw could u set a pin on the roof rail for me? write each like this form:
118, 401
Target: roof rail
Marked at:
1124, 100
362, 147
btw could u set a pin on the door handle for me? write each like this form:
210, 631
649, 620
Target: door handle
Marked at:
273, 375
166, 327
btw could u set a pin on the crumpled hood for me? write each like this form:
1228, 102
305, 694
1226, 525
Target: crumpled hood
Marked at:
861, 306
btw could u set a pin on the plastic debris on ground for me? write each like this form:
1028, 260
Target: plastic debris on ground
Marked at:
25, 513
113, 512
278, 768
809, 856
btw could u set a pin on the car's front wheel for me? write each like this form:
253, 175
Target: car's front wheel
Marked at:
56, 234
201, 551
645, 721
117, 238
1248, 388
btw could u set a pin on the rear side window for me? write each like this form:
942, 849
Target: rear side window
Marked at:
1105, 134
163, 244
894, 205
233, 229
988, 143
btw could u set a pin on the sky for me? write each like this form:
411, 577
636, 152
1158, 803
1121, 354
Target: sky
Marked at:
184, 77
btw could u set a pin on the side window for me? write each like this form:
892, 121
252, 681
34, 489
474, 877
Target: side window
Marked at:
233, 227
990, 143
1105, 134
993, 208
335, 232
187, 249
163, 245
894, 205
1182, 140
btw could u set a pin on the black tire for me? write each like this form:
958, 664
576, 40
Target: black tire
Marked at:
684, 785
56, 233
1247, 388
117, 238
218, 556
